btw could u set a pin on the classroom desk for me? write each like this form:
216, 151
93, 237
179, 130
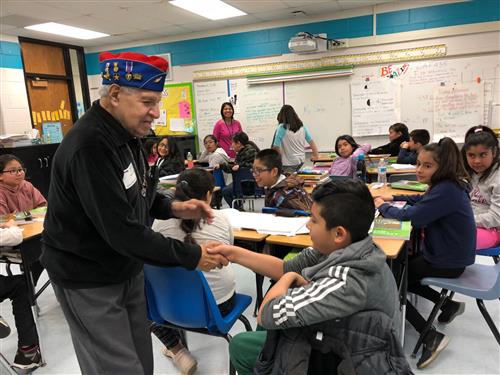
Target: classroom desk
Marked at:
390, 170
385, 190
390, 247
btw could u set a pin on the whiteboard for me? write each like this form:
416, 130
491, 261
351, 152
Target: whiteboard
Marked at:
255, 107
325, 106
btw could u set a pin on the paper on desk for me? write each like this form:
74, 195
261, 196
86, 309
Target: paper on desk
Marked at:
267, 223
169, 177
402, 166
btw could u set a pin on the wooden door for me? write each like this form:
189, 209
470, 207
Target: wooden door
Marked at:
48, 86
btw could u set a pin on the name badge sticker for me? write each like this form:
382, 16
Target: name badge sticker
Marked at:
129, 177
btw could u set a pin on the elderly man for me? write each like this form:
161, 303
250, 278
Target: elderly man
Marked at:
96, 236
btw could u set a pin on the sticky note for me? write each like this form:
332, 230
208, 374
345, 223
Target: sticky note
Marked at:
61, 106
184, 109
61, 114
44, 118
33, 115
38, 117
55, 116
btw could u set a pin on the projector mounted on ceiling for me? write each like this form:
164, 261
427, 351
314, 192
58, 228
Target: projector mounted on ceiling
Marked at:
308, 43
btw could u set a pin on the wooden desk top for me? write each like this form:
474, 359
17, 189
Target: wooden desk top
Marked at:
381, 191
249, 235
389, 246
32, 229
390, 170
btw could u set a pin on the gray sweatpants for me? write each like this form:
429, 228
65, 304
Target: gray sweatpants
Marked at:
109, 327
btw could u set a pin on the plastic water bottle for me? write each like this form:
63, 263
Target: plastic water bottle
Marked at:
189, 159
382, 172
361, 167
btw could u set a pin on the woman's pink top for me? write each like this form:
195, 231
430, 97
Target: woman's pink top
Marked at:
224, 134
24, 197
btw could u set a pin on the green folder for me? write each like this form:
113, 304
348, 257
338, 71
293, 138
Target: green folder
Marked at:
391, 228
409, 185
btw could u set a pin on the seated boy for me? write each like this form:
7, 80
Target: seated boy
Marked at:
281, 191
409, 150
323, 291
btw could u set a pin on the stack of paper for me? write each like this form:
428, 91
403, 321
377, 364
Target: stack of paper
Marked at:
266, 223
391, 228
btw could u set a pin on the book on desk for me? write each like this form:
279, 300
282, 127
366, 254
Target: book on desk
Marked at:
391, 228
409, 185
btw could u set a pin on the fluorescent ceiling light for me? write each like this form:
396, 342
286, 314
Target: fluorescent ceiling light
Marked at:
211, 9
65, 30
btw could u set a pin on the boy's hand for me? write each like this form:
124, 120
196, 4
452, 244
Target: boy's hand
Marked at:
229, 252
235, 167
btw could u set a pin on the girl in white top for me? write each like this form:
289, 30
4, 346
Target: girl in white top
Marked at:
480, 153
290, 139
213, 154
198, 184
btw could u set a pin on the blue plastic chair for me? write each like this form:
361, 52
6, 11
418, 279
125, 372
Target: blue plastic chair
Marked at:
478, 281
182, 299
493, 252
245, 188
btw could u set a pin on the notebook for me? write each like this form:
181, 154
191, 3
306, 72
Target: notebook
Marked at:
391, 228
409, 185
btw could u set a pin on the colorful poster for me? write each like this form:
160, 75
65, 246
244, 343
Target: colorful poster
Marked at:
177, 109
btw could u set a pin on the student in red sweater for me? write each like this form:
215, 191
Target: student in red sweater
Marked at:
16, 194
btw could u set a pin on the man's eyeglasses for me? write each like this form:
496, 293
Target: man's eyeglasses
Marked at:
15, 171
257, 172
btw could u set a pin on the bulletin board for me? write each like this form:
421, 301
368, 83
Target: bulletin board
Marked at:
177, 113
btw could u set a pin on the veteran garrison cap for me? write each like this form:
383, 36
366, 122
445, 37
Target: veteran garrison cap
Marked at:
133, 69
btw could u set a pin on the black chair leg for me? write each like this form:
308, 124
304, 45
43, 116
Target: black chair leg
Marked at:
245, 322
430, 320
488, 319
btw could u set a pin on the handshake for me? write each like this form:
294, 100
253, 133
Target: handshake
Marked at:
214, 255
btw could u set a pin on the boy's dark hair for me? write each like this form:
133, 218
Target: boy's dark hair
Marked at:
348, 139
484, 136
271, 159
451, 166
289, 118
401, 128
222, 109
346, 203
421, 136
193, 184
242, 137
7, 158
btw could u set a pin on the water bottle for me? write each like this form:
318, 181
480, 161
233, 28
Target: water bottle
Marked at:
189, 159
382, 172
361, 168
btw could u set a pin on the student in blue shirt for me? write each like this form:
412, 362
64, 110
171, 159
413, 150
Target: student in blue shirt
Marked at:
444, 217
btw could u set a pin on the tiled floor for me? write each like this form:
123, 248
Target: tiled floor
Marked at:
472, 349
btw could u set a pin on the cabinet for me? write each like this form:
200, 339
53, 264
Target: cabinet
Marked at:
37, 159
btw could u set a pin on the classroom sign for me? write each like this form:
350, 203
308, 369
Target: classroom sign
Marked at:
177, 115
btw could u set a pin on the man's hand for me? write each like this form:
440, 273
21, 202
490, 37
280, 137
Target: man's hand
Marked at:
293, 280
235, 167
208, 261
192, 209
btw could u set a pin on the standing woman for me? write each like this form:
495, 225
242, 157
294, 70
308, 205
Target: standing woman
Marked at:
290, 139
226, 127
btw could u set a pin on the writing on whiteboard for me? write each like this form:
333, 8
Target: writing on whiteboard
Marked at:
375, 106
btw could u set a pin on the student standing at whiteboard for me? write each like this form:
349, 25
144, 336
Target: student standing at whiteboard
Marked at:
226, 127
290, 139
398, 133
